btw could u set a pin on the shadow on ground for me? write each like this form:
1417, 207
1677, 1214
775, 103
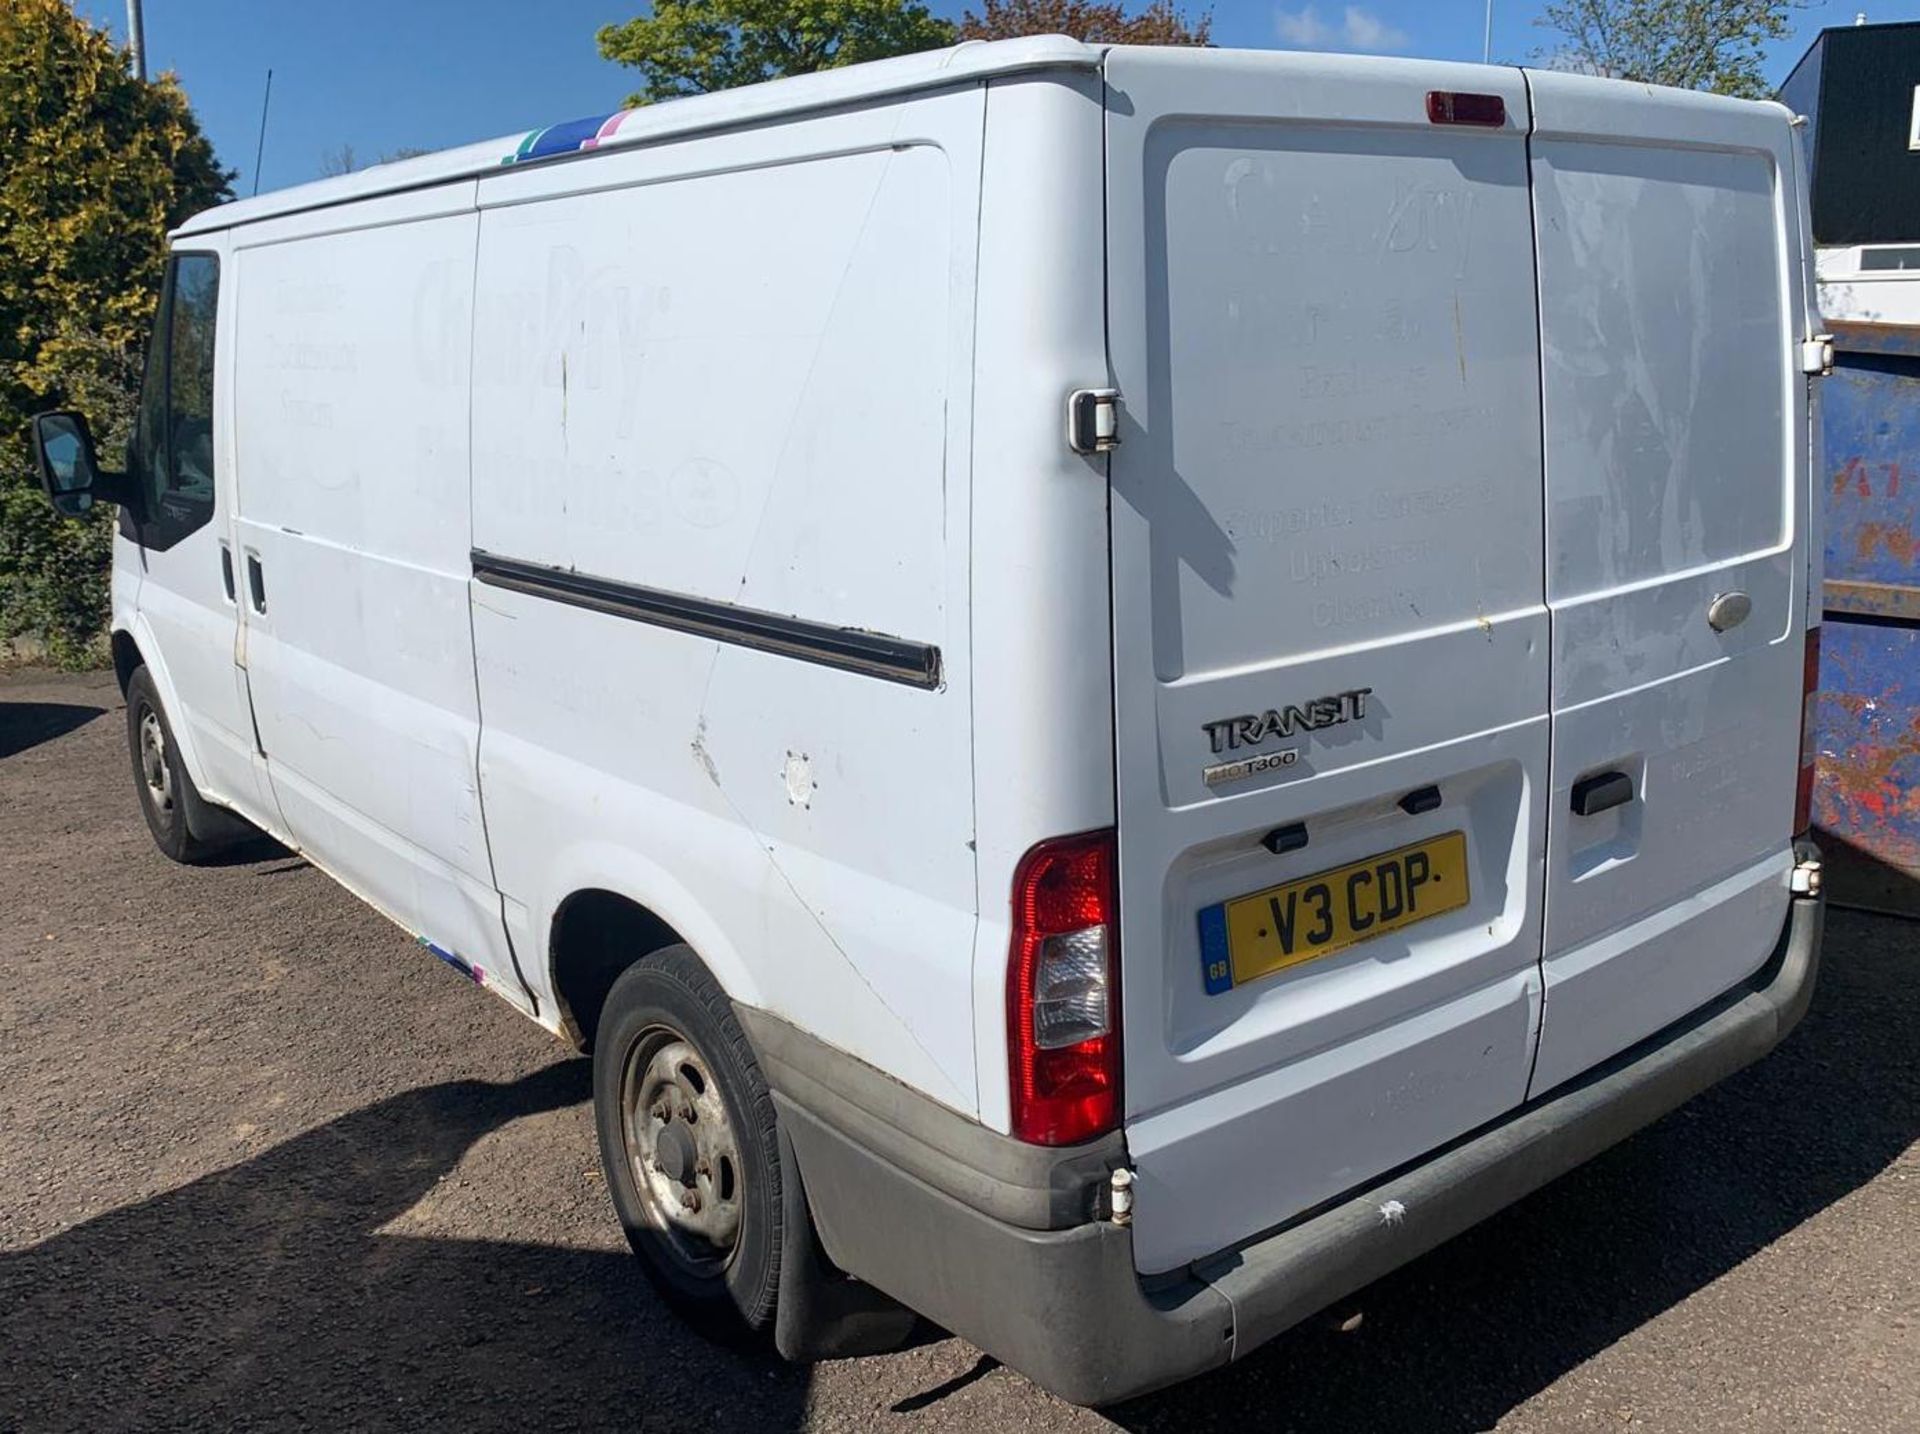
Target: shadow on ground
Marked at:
1459, 1338
28, 724
320, 1321
1856, 877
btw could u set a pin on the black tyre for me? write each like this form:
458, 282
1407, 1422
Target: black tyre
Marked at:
689, 1144
159, 775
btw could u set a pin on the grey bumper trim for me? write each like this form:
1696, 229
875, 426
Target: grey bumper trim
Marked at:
1065, 1307
1030, 1186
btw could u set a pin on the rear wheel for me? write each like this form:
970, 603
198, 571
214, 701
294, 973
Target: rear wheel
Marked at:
159, 775
688, 1143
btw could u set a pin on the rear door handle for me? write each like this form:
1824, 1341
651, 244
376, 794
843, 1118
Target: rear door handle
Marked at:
1600, 792
256, 583
226, 570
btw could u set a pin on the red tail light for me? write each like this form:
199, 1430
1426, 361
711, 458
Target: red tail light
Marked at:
1063, 992
1809, 734
1455, 107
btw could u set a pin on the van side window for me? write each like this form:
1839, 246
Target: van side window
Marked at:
172, 450
147, 451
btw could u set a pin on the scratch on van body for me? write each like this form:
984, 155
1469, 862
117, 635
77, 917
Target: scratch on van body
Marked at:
813, 361
313, 727
773, 862
705, 758
1459, 339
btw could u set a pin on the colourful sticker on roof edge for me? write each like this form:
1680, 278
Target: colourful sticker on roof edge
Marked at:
565, 138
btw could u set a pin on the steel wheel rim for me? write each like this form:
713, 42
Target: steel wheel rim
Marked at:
682, 1151
153, 762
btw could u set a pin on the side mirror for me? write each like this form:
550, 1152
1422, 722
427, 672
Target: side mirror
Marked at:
69, 471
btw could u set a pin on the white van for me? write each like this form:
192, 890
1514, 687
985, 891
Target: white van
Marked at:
1118, 687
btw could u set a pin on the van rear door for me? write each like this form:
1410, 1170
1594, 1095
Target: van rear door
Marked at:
1330, 638
1673, 297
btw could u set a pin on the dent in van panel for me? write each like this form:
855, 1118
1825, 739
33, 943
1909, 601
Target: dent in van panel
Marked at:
350, 430
589, 784
844, 781
1660, 275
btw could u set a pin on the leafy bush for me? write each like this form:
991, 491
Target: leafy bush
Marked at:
54, 571
99, 167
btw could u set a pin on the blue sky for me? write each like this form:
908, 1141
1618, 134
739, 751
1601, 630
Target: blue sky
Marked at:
433, 73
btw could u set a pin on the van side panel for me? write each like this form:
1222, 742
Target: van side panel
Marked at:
734, 373
1043, 694
351, 401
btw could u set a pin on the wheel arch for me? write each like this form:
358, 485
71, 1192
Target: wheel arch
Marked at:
601, 929
133, 648
597, 935
127, 657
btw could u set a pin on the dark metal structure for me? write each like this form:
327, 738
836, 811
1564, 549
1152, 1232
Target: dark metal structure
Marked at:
1859, 88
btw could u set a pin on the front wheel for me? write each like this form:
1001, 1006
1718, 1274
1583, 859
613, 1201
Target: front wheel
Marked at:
688, 1143
159, 775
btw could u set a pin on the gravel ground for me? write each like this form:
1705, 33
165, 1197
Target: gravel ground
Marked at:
265, 1164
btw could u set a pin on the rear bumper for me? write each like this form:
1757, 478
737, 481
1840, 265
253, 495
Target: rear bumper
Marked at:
1002, 1243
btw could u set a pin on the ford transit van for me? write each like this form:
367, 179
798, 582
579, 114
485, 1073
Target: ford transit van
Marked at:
1117, 688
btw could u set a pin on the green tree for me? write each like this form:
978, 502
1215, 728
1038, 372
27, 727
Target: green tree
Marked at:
1160, 23
1717, 45
693, 47
99, 166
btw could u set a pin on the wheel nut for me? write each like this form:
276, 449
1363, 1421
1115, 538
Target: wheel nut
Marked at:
661, 1112
691, 1200
702, 1168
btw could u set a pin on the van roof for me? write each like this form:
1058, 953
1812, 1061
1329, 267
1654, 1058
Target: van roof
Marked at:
970, 60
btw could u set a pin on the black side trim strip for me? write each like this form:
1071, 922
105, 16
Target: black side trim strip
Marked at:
872, 654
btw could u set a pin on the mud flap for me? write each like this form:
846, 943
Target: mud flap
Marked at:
214, 825
821, 1312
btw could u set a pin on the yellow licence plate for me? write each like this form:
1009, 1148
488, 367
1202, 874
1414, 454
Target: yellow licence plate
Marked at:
1266, 931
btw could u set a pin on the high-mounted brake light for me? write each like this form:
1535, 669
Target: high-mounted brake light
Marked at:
1456, 107
1809, 735
1063, 998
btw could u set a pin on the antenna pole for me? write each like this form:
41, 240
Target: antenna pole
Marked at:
261, 148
